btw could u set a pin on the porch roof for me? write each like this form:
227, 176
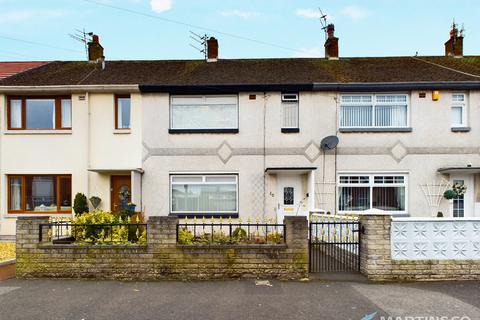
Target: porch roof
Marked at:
290, 169
462, 169
115, 171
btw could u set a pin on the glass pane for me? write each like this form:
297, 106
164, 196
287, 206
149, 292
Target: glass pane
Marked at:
15, 114
288, 196
66, 105
457, 116
220, 179
204, 116
390, 116
356, 99
123, 113
389, 198
65, 193
459, 202
40, 194
186, 179
354, 179
354, 198
204, 198
15, 193
356, 116
392, 98
40, 114
290, 115
458, 97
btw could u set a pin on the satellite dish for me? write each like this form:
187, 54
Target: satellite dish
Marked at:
329, 143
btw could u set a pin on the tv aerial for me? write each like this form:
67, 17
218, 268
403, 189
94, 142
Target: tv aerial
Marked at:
83, 37
200, 40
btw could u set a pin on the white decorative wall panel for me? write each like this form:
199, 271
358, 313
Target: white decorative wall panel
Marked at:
437, 239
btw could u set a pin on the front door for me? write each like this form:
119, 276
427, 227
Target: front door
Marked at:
121, 192
463, 205
290, 196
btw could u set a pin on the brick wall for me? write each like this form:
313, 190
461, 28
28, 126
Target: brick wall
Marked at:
162, 257
377, 263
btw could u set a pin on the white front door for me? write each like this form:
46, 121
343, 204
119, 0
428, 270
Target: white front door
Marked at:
463, 206
290, 196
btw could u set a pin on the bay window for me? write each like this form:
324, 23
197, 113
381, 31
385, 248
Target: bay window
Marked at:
360, 192
204, 194
204, 114
374, 111
39, 113
39, 194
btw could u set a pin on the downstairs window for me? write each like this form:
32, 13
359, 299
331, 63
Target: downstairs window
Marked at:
360, 192
39, 194
204, 194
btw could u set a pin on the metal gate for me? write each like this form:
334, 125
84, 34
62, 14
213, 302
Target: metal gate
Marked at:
334, 244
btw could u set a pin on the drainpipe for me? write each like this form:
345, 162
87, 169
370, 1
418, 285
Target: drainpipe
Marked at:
87, 98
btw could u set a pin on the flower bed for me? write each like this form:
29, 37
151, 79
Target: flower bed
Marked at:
7, 251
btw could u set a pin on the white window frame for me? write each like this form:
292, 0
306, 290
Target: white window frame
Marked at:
290, 101
371, 183
203, 182
373, 104
204, 97
459, 104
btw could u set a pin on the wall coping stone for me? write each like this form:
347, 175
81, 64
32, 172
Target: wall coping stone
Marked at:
231, 246
434, 219
92, 246
8, 262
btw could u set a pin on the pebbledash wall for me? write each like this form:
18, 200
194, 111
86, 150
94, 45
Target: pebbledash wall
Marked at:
411, 249
162, 257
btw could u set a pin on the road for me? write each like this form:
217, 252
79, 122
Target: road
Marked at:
236, 299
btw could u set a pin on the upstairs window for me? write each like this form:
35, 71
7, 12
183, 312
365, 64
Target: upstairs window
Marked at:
374, 111
289, 112
39, 113
204, 113
122, 112
458, 111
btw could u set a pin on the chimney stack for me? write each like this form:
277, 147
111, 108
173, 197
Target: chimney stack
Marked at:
95, 50
331, 44
212, 49
454, 45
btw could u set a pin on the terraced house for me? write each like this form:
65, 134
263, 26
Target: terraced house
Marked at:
243, 138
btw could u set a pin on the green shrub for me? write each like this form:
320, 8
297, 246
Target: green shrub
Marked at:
185, 236
239, 234
274, 237
80, 204
449, 194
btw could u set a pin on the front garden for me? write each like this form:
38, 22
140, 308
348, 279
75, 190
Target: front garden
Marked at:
7, 251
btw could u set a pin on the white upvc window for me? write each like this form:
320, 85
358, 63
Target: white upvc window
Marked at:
204, 194
374, 111
458, 110
364, 191
204, 112
289, 110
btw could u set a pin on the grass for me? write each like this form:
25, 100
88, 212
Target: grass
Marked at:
7, 251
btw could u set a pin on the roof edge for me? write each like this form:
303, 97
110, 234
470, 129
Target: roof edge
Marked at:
70, 88
388, 86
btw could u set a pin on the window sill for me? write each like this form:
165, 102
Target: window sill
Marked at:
182, 131
122, 131
356, 130
206, 215
460, 129
33, 132
290, 130
15, 215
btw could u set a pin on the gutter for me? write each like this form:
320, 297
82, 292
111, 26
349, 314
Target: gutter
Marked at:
396, 86
117, 88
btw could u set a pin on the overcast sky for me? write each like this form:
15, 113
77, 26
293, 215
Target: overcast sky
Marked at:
159, 29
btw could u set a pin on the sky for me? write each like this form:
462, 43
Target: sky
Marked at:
160, 29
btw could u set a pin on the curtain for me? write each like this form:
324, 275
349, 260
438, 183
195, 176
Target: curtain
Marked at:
457, 115
15, 194
204, 117
123, 113
16, 114
290, 114
354, 198
66, 113
356, 116
204, 198
390, 116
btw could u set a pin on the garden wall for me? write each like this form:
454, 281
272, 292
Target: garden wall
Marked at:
408, 249
162, 257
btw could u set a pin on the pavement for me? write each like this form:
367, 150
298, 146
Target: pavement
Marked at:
238, 299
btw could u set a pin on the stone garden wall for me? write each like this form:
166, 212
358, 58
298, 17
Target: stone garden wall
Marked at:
162, 257
408, 249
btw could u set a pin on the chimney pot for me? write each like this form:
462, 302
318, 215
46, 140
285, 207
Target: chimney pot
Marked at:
212, 49
454, 45
331, 44
95, 49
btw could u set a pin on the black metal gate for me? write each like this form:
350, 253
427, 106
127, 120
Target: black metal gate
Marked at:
334, 244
